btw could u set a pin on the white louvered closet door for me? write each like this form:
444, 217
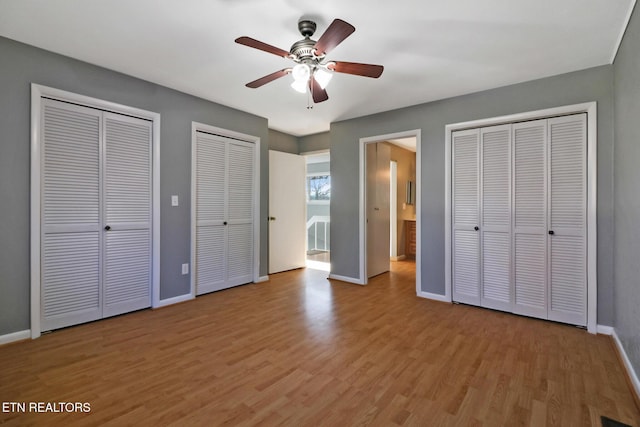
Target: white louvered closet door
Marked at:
240, 180
71, 223
567, 243
465, 221
495, 227
211, 202
127, 215
529, 218
224, 212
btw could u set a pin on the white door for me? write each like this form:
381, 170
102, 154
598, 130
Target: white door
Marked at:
287, 211
239, 219
465, 217
495, 211
210, 205
567, 244
378, 207
224, 187
127, 214
96, 215
530, 218
71, 248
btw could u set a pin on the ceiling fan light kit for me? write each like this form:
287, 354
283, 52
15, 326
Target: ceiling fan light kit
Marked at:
311, 70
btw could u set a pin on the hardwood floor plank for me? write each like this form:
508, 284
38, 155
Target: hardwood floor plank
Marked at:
301, 350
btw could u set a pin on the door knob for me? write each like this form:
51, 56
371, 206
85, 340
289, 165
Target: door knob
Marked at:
476, 228
224, 223
550, 231
272, 218
108, 227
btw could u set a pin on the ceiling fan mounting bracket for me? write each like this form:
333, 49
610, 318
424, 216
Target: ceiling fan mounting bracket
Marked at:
306, 27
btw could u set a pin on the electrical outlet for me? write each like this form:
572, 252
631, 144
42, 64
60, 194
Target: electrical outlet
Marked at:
174, 200
185, 268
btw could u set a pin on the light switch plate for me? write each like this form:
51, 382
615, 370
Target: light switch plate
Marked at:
174, 200
185, 268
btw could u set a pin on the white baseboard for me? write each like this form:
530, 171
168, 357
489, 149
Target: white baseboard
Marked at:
435, 297
174, 300
262, 279
15, 336
346, 279
627, 364
604, 330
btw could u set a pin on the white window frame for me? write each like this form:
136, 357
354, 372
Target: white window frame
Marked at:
316, 202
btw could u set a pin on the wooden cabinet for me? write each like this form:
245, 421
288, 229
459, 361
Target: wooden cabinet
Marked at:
410, 239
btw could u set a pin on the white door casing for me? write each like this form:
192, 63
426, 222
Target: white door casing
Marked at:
287, 211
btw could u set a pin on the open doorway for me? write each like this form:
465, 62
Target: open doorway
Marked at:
389, 213
318, 200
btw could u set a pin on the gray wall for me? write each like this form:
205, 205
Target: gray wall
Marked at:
22, 65
627, 201
280, 141
595, 84
315, 142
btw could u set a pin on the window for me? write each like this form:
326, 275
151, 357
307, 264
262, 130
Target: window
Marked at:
319, 188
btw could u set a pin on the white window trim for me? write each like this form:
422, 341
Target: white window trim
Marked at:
592, 149
37, 93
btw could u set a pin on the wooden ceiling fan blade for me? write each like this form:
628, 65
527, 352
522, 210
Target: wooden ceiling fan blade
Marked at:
333, 36
257, 44
268, 78
366, 70
318, 94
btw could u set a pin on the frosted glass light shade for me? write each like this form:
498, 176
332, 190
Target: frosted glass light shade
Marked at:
301, 72
323, 77
300, 85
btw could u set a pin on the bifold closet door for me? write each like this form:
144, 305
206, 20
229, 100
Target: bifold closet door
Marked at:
567, 235
495, 208
465, 218
224, 212
71, 223
96, 214
127, 215
240, 248
530, 218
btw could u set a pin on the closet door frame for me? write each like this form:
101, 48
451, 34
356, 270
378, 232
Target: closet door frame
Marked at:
591, 109
196, 127
38, 92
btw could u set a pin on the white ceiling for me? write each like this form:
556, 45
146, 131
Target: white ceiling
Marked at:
431, 49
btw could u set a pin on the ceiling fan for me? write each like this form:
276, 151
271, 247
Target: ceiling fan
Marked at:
312, 70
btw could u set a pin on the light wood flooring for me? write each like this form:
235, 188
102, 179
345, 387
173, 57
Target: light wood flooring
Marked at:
300, 350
